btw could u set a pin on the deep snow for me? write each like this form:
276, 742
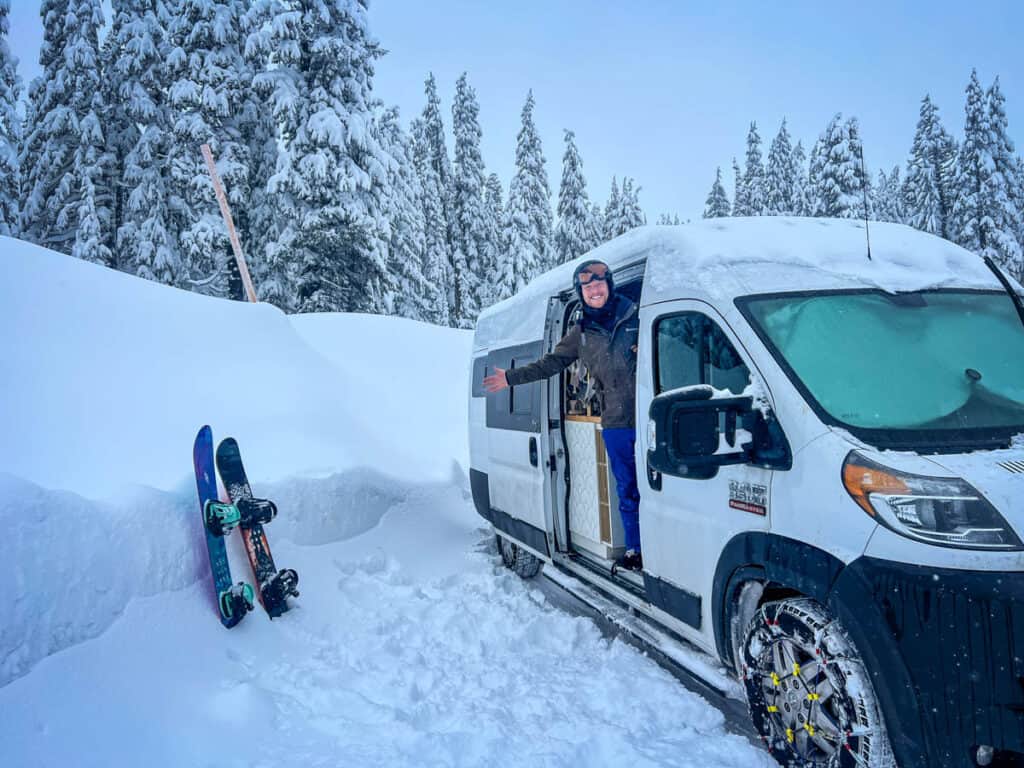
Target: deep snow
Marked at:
409, 645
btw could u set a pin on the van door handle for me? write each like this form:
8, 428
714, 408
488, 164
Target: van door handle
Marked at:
534, 458
653, 477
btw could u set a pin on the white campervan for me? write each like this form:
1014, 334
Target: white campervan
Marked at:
830, 474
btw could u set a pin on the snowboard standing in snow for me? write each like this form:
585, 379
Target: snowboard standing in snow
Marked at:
274, 586
234, 600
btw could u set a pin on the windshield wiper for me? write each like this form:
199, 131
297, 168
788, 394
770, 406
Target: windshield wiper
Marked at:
1014, 297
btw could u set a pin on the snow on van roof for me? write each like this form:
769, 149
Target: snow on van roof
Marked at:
719, 259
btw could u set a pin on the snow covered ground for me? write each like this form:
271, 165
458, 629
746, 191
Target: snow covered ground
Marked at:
409, 645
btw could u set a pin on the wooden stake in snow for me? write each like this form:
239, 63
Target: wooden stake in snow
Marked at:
236, 246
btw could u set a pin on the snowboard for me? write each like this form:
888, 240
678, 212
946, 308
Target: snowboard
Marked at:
274, 586
233, 600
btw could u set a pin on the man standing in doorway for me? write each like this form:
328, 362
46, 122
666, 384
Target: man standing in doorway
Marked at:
605, 341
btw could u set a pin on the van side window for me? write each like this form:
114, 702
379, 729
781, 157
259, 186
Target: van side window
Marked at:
691, 349
520, 399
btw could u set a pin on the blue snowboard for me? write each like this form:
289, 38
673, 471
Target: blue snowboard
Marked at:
233, 600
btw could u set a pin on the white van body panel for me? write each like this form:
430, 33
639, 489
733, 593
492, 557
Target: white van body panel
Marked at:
517, 488
999, 475
478, 426
811, 505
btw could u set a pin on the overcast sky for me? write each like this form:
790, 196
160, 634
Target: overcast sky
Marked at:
665, 91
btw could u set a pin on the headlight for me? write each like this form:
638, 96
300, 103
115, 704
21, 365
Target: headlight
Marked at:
949, 512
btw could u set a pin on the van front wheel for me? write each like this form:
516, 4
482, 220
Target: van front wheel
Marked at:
525, 564
809, 693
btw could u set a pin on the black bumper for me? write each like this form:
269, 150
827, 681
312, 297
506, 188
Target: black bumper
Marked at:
946, 650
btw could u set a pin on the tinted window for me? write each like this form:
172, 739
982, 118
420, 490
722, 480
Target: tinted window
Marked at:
691, 349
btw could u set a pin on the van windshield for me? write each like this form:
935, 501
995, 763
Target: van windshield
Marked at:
944, 365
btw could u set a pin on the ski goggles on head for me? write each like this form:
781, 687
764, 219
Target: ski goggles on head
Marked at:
593, 272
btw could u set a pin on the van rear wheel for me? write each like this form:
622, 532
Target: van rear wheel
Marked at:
524, 564
809, 693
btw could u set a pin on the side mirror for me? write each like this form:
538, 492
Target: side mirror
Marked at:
692, 433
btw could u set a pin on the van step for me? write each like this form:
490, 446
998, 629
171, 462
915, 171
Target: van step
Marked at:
631, 580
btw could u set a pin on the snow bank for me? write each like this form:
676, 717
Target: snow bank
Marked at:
105, 380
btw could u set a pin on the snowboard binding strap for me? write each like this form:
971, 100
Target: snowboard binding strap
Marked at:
254, 511
236, 602
277, 589
220, 518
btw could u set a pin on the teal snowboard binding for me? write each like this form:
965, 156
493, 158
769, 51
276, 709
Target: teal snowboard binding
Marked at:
236, 601
220, 518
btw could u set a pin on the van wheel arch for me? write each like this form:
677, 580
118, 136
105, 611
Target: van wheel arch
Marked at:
785, 567
749, 589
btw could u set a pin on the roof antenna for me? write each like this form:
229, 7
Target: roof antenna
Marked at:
864, 189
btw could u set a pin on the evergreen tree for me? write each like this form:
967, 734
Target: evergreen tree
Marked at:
273, 271
1005, 246
610, 218
836, 178
888, 197
575, 233
930, 171
739, 191
780, 181
858, 194
1019, 198
404, 210
630, 213
331, 182
437, 154
753, 175
10, 130
138, 140
717, 204
212, 102
64, 158
597, 223
970, 206
528, 227
469, 221
798, 165
983, 210
436, 267
496, 261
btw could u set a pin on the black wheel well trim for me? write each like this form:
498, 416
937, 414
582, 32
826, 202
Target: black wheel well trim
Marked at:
771, 559
844, 592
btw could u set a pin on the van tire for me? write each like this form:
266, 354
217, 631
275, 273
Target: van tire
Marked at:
809, 692
524, 564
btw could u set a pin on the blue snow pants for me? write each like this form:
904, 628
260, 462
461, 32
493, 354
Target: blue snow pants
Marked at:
620, 443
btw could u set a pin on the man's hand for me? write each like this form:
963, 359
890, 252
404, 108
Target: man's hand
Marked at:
496, 381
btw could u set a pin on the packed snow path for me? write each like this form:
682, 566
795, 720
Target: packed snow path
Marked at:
410, 645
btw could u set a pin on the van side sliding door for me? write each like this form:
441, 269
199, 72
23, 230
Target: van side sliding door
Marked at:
517, 448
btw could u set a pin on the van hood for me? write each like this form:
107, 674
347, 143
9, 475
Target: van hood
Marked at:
998, 475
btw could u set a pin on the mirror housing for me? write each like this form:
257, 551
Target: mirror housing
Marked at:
692, 433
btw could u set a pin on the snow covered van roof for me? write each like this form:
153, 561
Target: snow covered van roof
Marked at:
719, 259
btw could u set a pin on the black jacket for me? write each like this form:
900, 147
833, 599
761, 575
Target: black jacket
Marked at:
610, 358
